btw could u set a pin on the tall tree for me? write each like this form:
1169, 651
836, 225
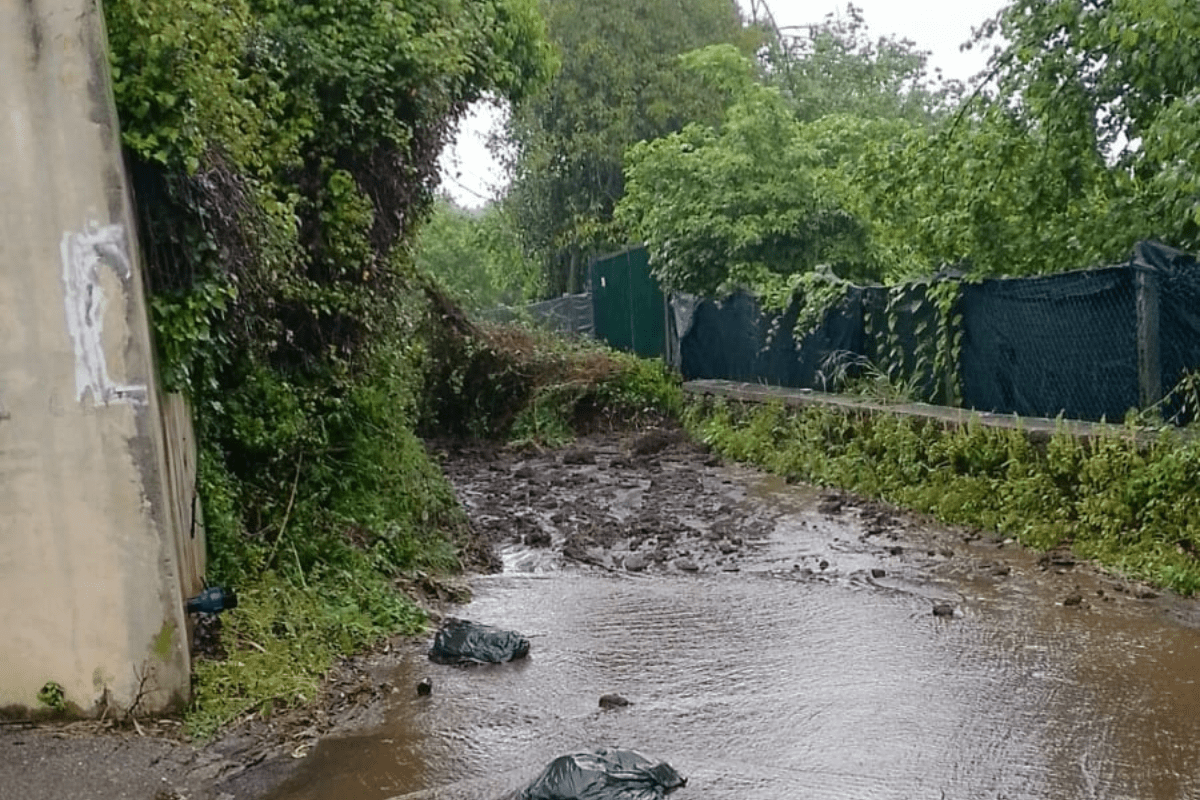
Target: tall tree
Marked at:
748, 203
1117, 80
764, 196
1082, 141
620, 83
836, 67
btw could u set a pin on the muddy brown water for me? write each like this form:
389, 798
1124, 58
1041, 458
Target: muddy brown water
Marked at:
808, 664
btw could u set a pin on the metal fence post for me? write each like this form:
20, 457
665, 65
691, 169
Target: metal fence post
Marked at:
1149, 363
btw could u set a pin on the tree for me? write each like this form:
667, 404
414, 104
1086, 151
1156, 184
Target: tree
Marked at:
476, 256
764, 195
837, 68
749, 204
1116, 79
1082, 141
620, 83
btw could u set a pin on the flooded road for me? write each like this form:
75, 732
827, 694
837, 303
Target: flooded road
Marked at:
793, 654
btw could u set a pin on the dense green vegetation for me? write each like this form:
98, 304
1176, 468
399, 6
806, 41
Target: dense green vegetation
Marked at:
620, 82
283, 157
1123, 499
1076, 146
284, 160
477, 256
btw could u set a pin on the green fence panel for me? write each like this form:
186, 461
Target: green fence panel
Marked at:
629, 307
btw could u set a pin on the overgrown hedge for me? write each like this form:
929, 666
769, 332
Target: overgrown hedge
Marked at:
283, 156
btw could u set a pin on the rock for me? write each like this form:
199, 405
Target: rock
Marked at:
830, 504
686, 565
895, 551
575, 550
425, 688
1073, 600
608, 701
654, 441
824, 565
943, 610
876, 572
537, 539
636, 563
1060, 560
579, 455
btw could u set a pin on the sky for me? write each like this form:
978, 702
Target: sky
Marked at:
472, 177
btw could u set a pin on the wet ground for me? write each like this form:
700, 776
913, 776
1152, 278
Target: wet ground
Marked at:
772, 641
778, 641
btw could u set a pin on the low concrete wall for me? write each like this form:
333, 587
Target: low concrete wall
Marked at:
1039, 429
91, 596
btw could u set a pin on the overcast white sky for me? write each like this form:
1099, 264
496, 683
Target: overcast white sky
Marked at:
471, 176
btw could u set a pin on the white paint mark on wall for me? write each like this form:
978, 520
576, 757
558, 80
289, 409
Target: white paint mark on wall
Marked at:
84, 254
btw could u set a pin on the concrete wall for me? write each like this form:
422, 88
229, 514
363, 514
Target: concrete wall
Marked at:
90, 552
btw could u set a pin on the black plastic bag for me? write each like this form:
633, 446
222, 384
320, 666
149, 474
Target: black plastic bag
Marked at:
604, 774
461, 642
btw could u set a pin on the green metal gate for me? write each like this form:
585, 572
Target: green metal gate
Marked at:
630, 310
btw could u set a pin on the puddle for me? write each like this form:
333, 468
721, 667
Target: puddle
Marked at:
787, 679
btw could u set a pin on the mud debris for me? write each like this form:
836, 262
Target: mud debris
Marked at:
640, 503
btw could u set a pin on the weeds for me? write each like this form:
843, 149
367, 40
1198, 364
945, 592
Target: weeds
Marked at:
1133, 507
851, 373
53, 697
282, 639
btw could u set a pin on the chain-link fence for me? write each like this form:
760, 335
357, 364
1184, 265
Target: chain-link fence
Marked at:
1087, 344
571, 314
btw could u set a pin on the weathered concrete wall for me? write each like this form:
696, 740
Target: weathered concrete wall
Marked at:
90, 587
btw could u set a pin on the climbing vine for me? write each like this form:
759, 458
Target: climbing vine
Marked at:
945, 294
820, 292
283, 156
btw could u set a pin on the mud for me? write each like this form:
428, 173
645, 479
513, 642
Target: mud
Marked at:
151, 758
647, 503
656, 502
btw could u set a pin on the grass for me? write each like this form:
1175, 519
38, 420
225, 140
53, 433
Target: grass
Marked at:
1132, 506
283, 637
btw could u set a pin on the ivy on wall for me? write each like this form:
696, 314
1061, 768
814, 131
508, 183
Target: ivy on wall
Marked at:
283, 155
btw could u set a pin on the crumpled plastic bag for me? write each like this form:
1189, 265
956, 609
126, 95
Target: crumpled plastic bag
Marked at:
604, 774
459, 641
